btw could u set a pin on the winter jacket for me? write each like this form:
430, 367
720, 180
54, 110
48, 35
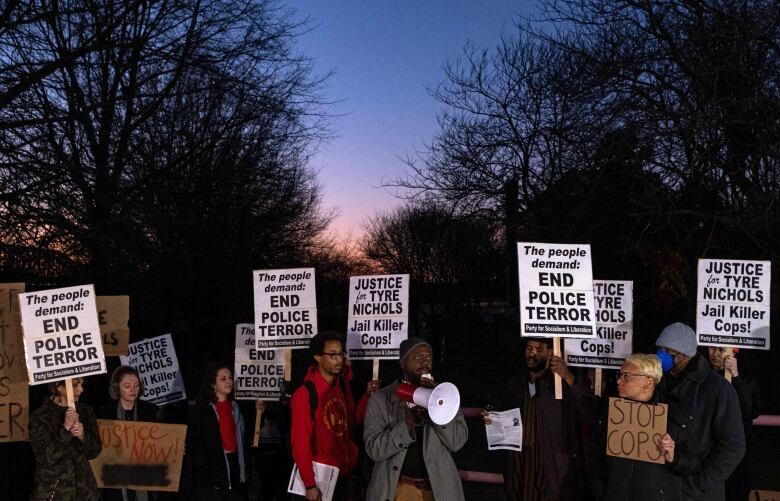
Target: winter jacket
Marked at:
328, 438
387, 438
615, 479
62, 469
206, 462
709, 409
559, 422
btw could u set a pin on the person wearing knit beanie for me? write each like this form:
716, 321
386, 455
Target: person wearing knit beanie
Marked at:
679, 341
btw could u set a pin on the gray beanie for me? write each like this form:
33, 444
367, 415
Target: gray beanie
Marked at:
408, 344
679, 337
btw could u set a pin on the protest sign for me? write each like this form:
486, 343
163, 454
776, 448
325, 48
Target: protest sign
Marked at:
61, 334
760, 495
113, 315
732, 303
156, 363
556, 290
614, 328
285, 308
634, 430
258, 374
14, 389
14, 410
378, 316
139, 455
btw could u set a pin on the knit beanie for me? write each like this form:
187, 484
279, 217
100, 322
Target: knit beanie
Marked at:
408, 344
678, 337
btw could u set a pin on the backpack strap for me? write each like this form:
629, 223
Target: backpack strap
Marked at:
312, 397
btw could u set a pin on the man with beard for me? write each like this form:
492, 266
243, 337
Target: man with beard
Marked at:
412, 455
550, 466
323, 417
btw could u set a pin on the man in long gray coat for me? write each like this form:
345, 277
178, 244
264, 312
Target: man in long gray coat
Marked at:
412, 455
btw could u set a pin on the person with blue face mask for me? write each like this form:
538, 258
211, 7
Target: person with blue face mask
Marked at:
708, 406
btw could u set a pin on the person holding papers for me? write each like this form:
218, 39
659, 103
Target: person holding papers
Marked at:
125, 388
215, 441
618, 478
64, 440
413, 455
550, 466
323, 417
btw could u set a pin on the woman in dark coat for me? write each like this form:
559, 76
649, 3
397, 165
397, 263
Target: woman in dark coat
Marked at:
64, 440
125, 390
616, 478
215, 441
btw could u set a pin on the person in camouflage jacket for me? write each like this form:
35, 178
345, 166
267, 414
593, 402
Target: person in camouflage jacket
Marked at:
63, 442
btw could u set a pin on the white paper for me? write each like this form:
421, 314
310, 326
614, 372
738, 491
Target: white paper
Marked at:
325, 475
506, 430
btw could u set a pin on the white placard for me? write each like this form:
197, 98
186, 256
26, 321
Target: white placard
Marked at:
156, 363
378, 317
505, 431
614, 328
325, 477
285, 308
61, 334
556, 290
732, 303
258, 374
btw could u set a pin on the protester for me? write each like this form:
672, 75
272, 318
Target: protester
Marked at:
617, 478
413, 456
215, 441
125, 388
550, 466
322, 432
738, 485
711, 408
64, 440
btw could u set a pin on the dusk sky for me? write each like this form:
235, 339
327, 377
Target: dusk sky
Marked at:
384, 55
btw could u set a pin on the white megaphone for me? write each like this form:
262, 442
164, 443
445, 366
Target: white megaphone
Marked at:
442, 402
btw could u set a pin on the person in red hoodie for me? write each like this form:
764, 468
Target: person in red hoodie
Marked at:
327, 438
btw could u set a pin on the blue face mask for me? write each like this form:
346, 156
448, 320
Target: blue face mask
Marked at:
667, 361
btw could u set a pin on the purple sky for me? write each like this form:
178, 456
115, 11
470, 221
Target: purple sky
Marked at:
384, 54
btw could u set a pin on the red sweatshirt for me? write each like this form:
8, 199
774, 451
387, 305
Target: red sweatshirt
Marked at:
328, 439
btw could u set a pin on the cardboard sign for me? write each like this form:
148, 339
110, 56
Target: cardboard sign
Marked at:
139, 455
156, 363
756, 495
556, 290
61, 334
614, 328
635, 429
113, 315
285, 308
14, 389
378, 318
14, 410
258, 374
732, 303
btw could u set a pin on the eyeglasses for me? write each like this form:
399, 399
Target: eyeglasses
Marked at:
422, 358
624, 375
335, 355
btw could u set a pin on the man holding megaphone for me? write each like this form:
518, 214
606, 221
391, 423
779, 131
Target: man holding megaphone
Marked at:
411, 428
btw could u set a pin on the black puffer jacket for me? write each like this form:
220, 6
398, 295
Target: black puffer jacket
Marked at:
716, 437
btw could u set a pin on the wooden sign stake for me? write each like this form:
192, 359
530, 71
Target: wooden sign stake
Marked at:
597, 383
288, 365
558, 383
375, 370
69, 393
